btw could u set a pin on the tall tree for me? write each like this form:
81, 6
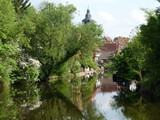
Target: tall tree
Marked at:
58, 40
130, 63
82, 42
150, 37
8, 41
53, 26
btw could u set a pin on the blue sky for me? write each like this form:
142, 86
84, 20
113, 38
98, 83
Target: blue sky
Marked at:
117, 17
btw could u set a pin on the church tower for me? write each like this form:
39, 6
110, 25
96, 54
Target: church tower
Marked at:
88, 17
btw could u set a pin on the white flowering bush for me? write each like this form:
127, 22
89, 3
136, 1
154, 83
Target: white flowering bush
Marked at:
23, 64
35, 63
27, 71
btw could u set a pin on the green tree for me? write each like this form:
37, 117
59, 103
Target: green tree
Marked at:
82, 43
26, 72
150, 36
129, 64
48, 43
85, 40
8, 41
59, 44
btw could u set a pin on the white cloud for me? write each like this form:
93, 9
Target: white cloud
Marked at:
107, 17
138, 15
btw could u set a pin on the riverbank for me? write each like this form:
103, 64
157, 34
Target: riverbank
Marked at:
90, 72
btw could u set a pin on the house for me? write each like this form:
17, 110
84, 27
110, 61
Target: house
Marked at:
122, 41
108, 50
112, 47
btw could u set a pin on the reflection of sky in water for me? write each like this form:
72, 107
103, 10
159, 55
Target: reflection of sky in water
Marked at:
104, 101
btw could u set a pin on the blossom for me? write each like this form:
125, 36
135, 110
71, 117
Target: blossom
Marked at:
23, 64
35, 63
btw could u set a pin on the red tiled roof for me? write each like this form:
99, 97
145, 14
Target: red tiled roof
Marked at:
109, 47
121, 40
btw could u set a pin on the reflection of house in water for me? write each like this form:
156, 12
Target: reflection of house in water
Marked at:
105, 85
107, 88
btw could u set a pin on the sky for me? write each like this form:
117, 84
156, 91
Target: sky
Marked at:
117, 17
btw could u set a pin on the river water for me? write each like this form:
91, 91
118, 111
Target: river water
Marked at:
80, 100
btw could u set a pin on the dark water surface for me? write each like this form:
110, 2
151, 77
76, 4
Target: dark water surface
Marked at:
81, 100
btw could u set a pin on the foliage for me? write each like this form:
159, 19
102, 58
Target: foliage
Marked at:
32, 74
8, 110
27, 71
47, 35
142, 55
89, 38
83, 41
8, 44
48, 45
58, 41
88, 89
130, 64
150, 36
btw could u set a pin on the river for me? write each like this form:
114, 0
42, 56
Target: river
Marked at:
80, 100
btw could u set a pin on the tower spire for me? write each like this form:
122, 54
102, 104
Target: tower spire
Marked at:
88, 17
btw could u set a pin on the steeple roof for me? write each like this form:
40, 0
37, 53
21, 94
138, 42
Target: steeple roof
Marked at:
88, 17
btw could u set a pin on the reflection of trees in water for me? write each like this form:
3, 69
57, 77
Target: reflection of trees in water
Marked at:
88, 89
89, 110
58, 100
56, 106
26, 97
56, 103
91, 113
132, 107
61, 100
8, 110
25, 94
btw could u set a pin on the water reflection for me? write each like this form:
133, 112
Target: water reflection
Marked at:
123, 105
50, 101
79, 100
135, 108
104, 102
8, 110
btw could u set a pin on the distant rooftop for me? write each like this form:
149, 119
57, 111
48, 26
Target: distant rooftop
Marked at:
122, 41
108, 39
109, 47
